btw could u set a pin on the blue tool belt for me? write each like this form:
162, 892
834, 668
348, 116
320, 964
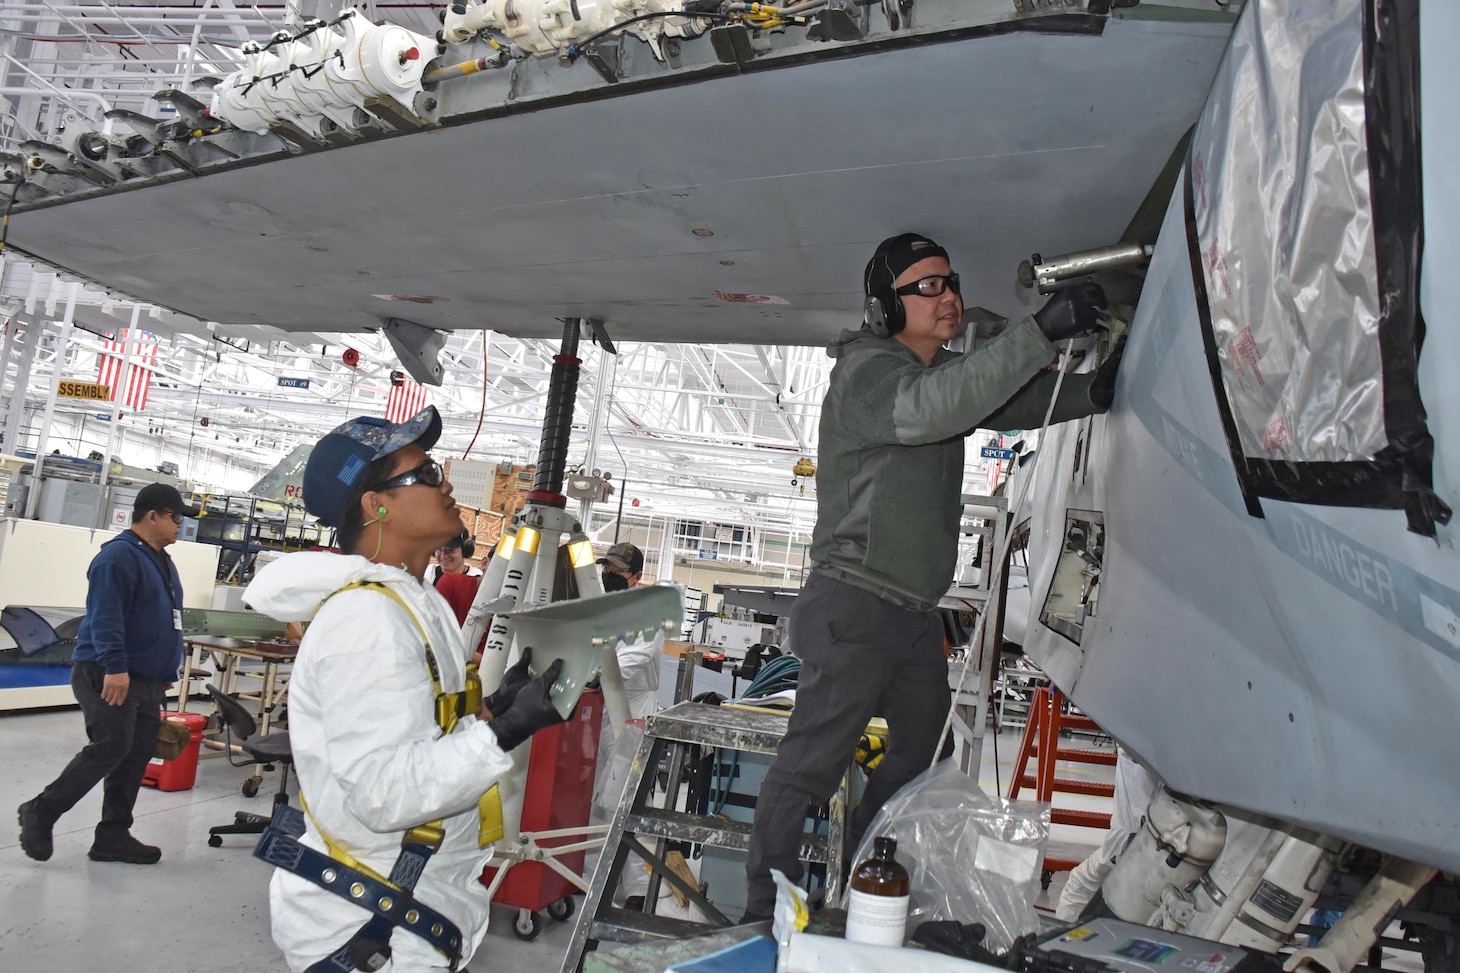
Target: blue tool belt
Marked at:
390, 905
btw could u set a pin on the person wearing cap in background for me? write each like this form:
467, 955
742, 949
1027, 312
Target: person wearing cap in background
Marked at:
375, 754
638, 662
128, 651
451, 559
623, 568
889, 484
456, 579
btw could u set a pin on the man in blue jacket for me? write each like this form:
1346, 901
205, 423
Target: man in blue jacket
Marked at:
127, 653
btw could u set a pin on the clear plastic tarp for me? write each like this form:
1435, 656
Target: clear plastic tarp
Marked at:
971, 857
1281, 199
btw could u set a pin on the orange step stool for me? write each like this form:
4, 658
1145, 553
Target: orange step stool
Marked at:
1041, 741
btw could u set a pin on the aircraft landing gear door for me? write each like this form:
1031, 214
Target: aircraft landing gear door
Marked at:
1074, 593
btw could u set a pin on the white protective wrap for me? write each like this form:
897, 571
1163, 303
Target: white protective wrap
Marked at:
331, 72
549, 26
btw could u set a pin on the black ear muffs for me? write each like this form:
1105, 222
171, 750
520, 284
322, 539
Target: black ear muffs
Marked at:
883, 313
882, 317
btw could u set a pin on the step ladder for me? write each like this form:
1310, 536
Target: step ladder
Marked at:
987, 519
642, 831
1047, 719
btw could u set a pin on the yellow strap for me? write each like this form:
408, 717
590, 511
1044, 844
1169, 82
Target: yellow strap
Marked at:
490, 826
449, 709
338, 853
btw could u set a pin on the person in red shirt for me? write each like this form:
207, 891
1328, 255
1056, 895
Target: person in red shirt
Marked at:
459, 590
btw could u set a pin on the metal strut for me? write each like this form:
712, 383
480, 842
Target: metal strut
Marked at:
557, 422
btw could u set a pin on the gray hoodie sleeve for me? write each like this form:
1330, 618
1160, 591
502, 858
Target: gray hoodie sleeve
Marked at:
1026, 409
931, 404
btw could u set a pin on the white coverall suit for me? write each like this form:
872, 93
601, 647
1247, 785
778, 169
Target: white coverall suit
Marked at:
371, 760
639, 663
1135, 788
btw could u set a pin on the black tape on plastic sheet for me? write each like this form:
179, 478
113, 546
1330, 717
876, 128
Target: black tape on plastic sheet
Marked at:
1399, 476
1392, 125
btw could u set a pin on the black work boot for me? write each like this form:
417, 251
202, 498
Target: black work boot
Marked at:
35, 831
124, 849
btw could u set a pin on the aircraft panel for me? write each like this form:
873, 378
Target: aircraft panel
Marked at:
1302, 664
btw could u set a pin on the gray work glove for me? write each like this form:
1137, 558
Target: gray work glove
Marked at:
512, 682
1071, 312
531, 710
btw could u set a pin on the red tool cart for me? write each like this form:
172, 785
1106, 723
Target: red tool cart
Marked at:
544, 867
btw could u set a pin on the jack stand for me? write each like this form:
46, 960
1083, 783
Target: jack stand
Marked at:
525, 564
514, 609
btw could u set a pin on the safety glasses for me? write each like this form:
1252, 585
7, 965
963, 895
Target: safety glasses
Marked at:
931, 286
428, 473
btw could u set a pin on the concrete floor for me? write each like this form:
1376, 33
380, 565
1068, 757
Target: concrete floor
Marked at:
200, 908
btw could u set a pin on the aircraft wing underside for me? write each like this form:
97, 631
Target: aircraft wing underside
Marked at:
705, 204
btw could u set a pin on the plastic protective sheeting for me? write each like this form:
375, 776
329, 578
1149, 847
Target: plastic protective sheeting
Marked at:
1306, 236
971, 857
1280, 170
816, 954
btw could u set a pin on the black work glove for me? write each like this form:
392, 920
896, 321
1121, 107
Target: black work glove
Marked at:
531, 711
964, 940
512, 682
1071, 312
1102, 388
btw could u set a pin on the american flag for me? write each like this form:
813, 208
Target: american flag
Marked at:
406, 398
139, 374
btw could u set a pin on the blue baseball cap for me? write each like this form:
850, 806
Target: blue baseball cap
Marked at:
338, 460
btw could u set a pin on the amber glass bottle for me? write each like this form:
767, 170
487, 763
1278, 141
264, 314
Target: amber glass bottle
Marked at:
877, 910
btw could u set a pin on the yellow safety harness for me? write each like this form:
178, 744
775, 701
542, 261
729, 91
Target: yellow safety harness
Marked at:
450, 708
389, 900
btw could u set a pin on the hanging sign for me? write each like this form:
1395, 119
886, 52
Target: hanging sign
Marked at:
84, 390
293, 383
991, 452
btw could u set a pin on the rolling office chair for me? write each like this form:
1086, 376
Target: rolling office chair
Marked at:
271, 748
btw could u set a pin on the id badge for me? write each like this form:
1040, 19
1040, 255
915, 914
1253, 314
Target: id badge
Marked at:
177, 619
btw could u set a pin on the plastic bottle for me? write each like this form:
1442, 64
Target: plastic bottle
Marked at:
877, 910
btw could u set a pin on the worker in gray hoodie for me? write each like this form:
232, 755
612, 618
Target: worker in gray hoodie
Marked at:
889, 486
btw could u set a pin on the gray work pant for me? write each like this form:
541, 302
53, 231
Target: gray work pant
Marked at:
123, 739
860, 656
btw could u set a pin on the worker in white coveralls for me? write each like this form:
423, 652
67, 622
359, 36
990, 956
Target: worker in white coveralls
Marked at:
638, 662
388, 739
1135, 788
